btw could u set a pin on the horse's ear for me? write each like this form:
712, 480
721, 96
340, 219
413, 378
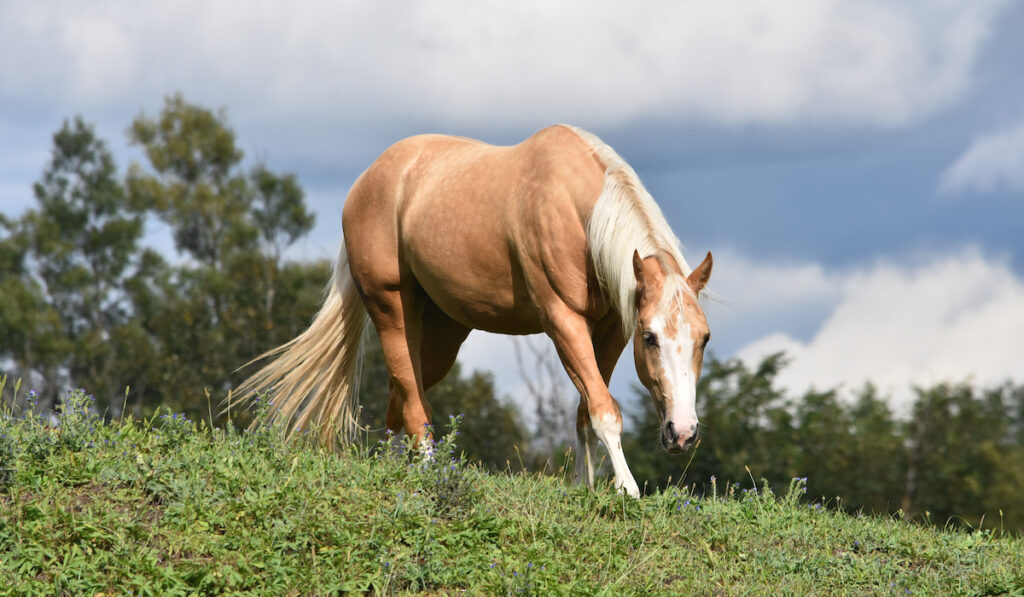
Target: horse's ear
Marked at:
699, 277
638, 268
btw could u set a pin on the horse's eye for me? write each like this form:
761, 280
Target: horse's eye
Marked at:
706, 340
650, 340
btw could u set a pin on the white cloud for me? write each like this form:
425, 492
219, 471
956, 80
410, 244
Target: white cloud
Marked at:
950, 318
866, 62
992, 162
759, 298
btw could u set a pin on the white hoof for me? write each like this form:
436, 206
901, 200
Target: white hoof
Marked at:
628, 487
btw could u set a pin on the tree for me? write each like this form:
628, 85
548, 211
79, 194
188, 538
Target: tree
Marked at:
86, 304
67, 312
874, 477
280, 217
964, 461
823, 439
236, 297
30, 337
195, 186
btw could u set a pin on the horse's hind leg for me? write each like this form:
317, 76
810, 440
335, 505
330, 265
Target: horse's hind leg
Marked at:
420, 344
442, 338
398, 316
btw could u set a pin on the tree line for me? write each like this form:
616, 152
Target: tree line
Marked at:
84, 302
958, 458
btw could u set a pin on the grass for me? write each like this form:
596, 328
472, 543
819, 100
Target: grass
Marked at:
168, 506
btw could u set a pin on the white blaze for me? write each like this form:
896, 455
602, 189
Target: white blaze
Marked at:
676, 354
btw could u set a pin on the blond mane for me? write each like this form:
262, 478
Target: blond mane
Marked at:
626, 218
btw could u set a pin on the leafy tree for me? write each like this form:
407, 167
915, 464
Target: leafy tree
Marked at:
236, 297
964, 461
86, 304
280, 216
195, 186
30, 338
67, 312
824, 443
873, 480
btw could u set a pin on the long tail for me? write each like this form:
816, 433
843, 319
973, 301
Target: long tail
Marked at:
311, 381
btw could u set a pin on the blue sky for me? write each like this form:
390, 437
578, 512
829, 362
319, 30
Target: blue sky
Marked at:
856, 167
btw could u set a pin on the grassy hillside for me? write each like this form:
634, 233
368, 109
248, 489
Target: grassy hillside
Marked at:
168, 506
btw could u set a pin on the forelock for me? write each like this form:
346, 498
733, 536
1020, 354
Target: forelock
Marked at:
674, 292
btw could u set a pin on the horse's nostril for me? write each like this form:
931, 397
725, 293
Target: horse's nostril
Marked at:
694, 431
670, 432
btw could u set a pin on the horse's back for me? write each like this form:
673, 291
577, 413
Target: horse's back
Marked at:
466, 218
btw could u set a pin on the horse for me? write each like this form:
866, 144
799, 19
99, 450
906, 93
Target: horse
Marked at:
444, 234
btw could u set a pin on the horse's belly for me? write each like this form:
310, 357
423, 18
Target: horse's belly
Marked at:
478, 290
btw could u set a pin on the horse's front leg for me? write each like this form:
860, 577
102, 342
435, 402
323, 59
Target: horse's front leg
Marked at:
571, 335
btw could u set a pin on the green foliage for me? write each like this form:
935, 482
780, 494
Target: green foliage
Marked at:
85, 304
279, 212
237, 298
195, 186
437, 468
964, 460
166, 506
66, 263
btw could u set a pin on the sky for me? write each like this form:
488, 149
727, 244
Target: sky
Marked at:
855, 167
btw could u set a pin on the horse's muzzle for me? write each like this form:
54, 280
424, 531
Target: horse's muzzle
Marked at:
675, 442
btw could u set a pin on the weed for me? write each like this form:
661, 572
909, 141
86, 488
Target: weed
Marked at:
76, 421
436, 468
6, 451
174, 429
445, 477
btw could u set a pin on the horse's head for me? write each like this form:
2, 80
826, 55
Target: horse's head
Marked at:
668, 344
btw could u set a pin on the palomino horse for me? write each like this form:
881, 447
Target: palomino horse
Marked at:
443, 235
